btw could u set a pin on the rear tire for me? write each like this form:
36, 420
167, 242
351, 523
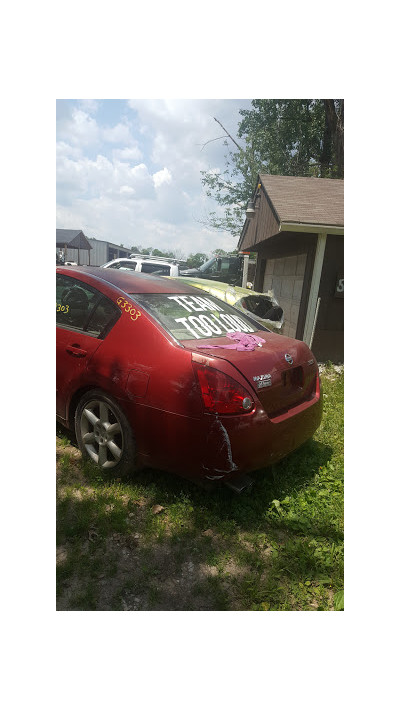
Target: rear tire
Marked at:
104, 434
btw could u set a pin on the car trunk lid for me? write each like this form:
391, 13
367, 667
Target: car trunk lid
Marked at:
282, 372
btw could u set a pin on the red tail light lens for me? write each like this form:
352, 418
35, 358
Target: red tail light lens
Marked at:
222, 394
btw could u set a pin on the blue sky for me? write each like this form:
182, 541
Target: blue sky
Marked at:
128, 171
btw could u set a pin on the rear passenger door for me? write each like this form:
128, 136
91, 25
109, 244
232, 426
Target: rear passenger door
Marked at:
84, 317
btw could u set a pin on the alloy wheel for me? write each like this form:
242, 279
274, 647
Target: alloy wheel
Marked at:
101, 434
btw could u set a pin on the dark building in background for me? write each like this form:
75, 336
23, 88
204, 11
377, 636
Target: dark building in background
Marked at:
73, 242
76, 247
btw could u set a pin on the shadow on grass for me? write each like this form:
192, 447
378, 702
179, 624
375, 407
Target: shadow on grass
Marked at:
106, 567
219, 504
66, 434
115, 554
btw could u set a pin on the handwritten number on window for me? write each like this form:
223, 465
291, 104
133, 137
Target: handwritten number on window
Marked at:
125, 306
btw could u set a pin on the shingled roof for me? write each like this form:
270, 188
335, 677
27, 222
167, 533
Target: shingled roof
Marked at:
285, 203
315, 201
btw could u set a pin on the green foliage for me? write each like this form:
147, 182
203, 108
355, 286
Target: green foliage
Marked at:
300, 137
196, 260
338, 600
159, 253
284, 137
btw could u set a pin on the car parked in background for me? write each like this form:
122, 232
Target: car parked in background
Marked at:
227, 268
155, 372
161, 266
262, 307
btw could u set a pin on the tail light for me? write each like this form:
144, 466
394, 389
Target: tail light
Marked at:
222, 394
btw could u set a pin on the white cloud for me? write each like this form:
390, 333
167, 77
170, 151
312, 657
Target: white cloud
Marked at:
65, 150
117, 134
83, 129
132, 222
127, 190
100, 177
162, 177
131, 154
89, 105
141, 183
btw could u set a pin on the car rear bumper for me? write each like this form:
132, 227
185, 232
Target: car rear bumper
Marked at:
221, 447
258, 442
274, 440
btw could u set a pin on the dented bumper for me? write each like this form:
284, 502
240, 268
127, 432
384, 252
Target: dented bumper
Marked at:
220, 448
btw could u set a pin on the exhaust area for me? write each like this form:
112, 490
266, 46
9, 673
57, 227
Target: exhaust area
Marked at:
240, 484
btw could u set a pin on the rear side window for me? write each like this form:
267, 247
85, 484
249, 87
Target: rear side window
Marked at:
161, 269
124, 265
186, 316
83, 308
102, 319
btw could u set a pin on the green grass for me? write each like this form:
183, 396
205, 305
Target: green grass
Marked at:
277, 547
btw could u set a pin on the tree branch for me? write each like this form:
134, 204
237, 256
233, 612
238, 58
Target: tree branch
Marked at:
210, 141
229, 135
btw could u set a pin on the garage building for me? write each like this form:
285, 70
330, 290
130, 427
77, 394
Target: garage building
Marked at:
296, 226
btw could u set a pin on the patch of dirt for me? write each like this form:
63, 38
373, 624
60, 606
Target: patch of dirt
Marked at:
68, 463
61, 554
134, 575
131, 571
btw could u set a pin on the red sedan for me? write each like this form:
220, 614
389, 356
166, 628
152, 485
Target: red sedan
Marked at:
153, 372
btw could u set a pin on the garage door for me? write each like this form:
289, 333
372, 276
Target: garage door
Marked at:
285, 276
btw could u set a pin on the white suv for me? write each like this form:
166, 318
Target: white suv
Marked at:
161, 266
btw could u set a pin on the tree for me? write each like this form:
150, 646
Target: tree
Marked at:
334, 136
301, 137
196, 260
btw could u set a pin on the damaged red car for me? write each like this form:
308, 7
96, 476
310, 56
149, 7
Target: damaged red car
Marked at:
153, 372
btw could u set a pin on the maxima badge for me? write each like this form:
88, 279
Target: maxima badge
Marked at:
288, 358
263, 381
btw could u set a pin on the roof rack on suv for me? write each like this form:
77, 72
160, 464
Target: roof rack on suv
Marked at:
170, 260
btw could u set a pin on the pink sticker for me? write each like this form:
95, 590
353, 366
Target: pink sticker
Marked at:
244, 342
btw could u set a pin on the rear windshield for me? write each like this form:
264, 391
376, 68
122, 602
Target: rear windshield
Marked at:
186, 316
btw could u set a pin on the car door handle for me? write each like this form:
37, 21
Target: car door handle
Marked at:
76, 351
